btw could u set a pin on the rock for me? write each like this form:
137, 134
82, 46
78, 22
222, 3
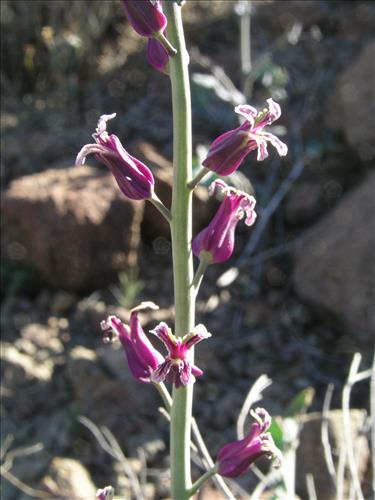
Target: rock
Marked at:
334, 265
21, 369
155, 225
310, 453
72, 225
67, 478
63, 302
351, 107
40, 338
117, 404
303, 202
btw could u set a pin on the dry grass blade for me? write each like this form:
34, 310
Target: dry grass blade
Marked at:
310, 485
325, 436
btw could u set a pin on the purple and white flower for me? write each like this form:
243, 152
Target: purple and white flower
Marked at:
177, 367
227, 152
236, 457
215, 243
133, 177
145, 16
142, 357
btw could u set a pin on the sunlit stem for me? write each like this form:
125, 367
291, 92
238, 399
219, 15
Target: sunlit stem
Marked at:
161, 207
204, 261
181, 231
166, 43
166, 397
200, 482
202, 173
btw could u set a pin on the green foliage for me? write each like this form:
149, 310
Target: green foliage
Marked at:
300, 403
277, 433
128, 289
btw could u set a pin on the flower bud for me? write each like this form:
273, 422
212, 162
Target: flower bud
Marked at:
142, 357
157, 55
133, 177
215, 243
235, 458
145, 16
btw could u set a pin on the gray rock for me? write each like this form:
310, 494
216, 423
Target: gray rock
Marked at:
20, 369
121, 405
351, 107
334, 266
72, 225
303, 202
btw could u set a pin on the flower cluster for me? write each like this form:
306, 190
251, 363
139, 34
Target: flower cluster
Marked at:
145, 362
148, 20
213, 244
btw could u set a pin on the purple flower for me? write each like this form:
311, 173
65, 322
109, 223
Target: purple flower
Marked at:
236, 457
133, 177
145, 16
105, 493
228, 151
177, 367
142, 358
157, 55
215, 243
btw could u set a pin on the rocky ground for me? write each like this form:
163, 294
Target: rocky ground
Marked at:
295, 302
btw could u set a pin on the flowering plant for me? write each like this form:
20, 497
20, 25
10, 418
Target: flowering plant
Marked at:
162, 25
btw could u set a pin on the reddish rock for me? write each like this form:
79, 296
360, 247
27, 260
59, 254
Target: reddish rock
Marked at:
72, 225
334, 266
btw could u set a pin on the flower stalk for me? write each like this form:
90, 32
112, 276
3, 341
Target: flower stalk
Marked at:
181, 230
196, 180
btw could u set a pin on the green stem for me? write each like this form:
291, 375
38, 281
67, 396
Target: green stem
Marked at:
166, 43
199, 482
181, 230
202, 173
204, 262
166, 397
161, 207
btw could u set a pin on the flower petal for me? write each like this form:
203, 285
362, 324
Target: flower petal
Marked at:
163, 332
247, 112
280, 146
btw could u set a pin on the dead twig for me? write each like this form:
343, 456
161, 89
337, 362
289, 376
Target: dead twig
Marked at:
353, 378
325, 435
108, 442
310, 485
254, 395
269, 210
